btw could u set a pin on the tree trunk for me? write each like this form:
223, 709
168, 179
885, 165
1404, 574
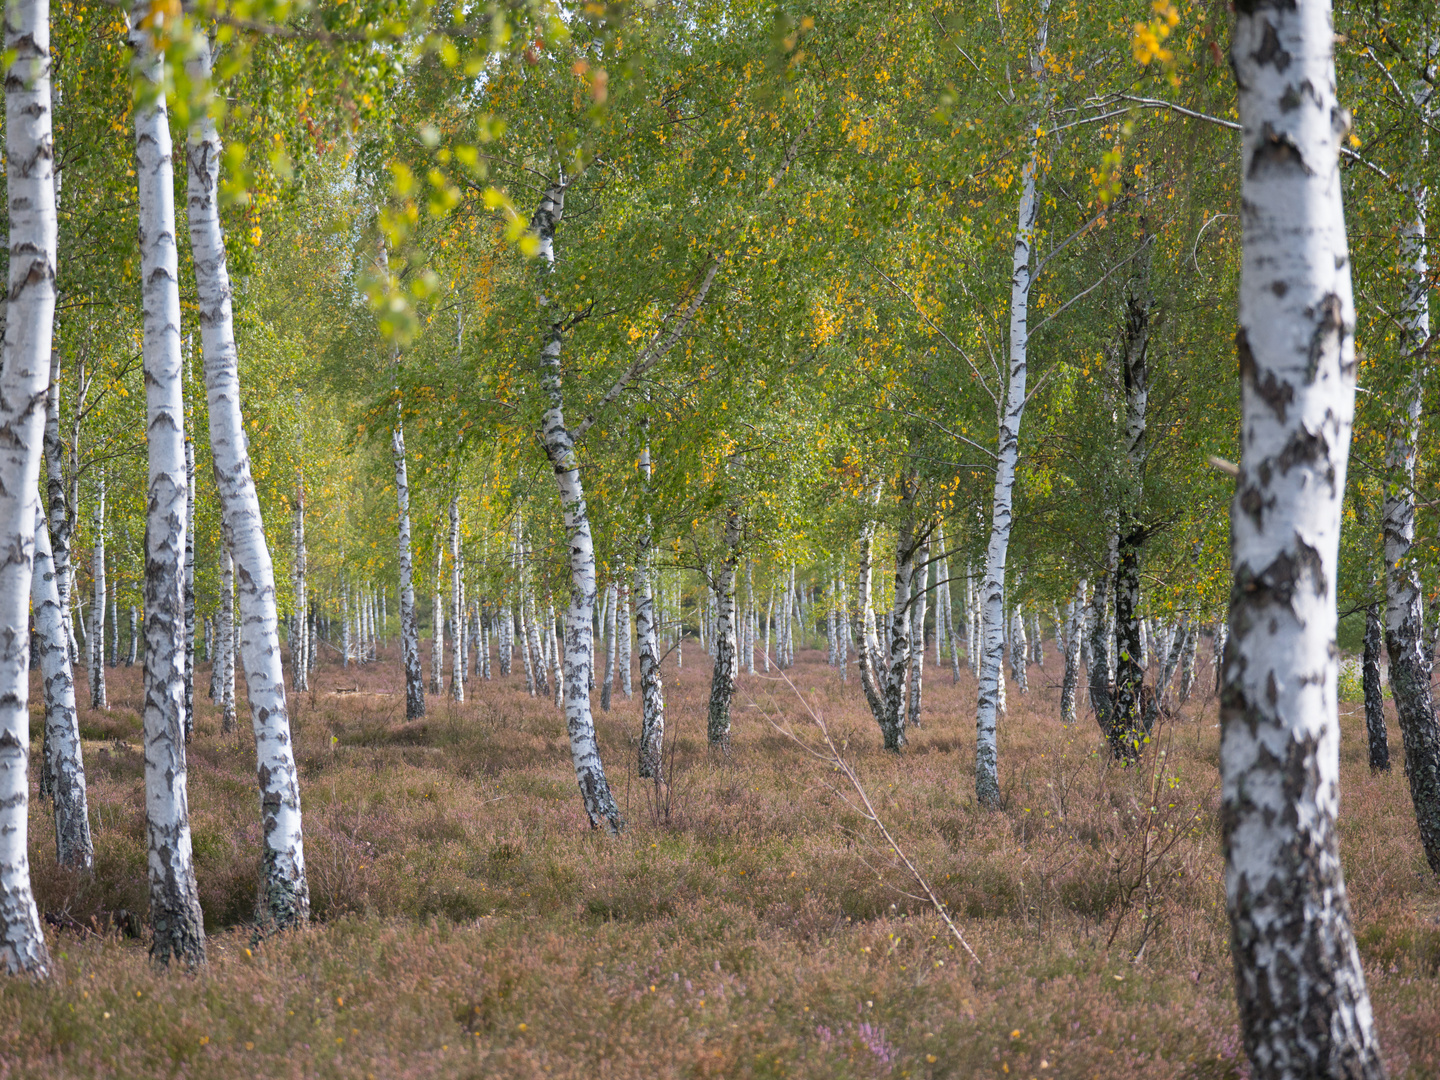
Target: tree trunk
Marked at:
1098, 677
175, 918
457, 611
525, 655
1187, 661
133, 643
1007, 443
98, 697
300, 647
1410, 659
1304, 1009
29, 327
284, 899
727, 659
868, 644
652, 688
437, 624
907, 548
608, 621
560, 448
1019, 650
917, 634
73, 845
1374, 693
1074, 632
189, 582
622, 631
227, 635
507, 638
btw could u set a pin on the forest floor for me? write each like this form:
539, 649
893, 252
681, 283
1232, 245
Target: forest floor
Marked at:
748, 922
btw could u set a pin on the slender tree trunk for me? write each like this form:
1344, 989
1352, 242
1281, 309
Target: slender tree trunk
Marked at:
73, 845
1410, 659
189, 583
133, 643
907, 548
560, 448
1074, 632
525, 655
868, 645
1019, 650
457, 610
227, 635
507, 638
608, 620
284, 899
917, 636
622, 630
98, 697
300, 645
1374, 693
1304, 1009
532, 624
59, 512
1187, 661
722, 680
987, 777
652, 687
437, 625
175, 918
1098, 677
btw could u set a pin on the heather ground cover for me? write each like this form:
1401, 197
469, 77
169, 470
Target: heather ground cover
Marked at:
748, 922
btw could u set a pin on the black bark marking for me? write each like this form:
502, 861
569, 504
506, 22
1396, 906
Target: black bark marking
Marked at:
1277, 152
1271, 51
1278, 395
1332, 321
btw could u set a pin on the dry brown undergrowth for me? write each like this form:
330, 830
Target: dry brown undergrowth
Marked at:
747, 924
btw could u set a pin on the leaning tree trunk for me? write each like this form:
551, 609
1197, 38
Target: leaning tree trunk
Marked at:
73, 845
1304, 1009
727, 657
579, 617
24, 375
175, 917
1410, 659
1007, 454
284, 899
1374, 692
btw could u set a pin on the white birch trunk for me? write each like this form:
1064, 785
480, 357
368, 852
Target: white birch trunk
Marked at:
1411, 659
98, 697
1304, 1008
73, 845
227, 635
1074, 635
560, 448
917, 635
300, 646
1007, 453
727, 659
189, 583
24, 378
175, 918
61, 523
345, 645
647, 632
284, 899
609, 622
457, 610
622, 630
437, 624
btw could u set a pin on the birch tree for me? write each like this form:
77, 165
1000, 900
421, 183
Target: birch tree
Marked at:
176, 923
1304, 1008
24, 376
284, 894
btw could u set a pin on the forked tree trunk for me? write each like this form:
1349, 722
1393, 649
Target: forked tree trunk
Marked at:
175, 917
284, 899
29, 325
1304, 1009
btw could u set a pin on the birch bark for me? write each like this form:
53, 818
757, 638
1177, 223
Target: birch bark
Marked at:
98, 697
61, 523
560, 448
622, 630
1375, 733
175, 918
226, 655
1410, 659
1304, 1008
437, 624
24, 378
409, 622
652, 688
284, 899
457, 612
1074, 632
610, 622
300, 649
917, 635
727, 658
73, 845
992, 623
189, 583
